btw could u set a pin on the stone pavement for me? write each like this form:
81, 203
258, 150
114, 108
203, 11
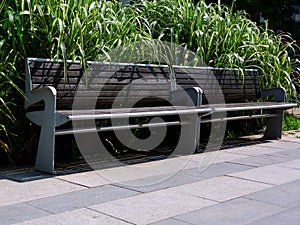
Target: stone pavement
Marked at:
295, 111
253, 184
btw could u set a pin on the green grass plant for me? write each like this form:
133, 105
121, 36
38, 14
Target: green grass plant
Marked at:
90, 29
290, 122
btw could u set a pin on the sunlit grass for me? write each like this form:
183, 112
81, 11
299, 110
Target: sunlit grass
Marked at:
89, 29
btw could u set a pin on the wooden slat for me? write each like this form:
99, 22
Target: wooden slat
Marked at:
152, 81
234, 88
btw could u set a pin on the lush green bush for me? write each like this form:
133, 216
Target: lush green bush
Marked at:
290, 122
88, 29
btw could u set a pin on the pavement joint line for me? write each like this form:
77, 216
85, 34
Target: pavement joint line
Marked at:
241, 164
72, 182
127, 188
286, 208
288, 167
256, 181
94, 210
28, 203
200, 197
179, 220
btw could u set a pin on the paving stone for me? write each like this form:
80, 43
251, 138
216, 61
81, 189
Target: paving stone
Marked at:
81, 199
288, 144
218, 169
24, 174
238, 211
254, 150
129, 174
87, 179
152, 207
221, 188
12, 192
286, 195
163, 182
19, 212
260, 160
288, 154
292, 138
187, 176
294, 164
290, 217
272, 174
210, 158
269, 143
76, 217
171, 221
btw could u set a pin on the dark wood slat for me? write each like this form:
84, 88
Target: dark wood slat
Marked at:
154, 81
234, 87
111, 79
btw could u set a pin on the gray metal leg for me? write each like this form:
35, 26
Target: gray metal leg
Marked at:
190, 97
274, 126
197, 135
45, 155
189, 136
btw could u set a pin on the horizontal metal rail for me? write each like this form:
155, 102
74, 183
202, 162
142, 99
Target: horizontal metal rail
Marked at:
239, 118
121, 127
93, 116
226, 108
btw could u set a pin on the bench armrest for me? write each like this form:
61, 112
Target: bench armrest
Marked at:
191, 96
46, 94
279, 93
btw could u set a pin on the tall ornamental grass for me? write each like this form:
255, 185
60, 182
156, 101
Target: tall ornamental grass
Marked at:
88, 29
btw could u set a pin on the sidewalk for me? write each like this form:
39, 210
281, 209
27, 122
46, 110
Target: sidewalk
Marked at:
254, 184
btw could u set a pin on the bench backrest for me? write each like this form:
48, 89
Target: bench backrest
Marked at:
106, 83
218, 82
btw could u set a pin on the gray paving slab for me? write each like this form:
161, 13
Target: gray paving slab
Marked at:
268, 143
14, 192
86, 179
235, 212
222, 188
171, 221
76, 217
286, 195
187, 176
81, 199
253, 150
219, 169
209, 158
288, 154
272, 174
293, 136
23, 174
152, 207
256, 184
287, 144
19, 212
182, 177
260, 160
129, 174
294, 164
288, 217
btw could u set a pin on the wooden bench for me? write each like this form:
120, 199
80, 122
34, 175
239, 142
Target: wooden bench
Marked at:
112, 91
240, 93
58, 93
